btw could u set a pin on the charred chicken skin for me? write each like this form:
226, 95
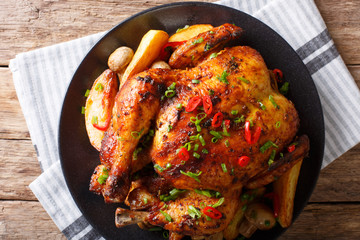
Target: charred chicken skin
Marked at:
211, 118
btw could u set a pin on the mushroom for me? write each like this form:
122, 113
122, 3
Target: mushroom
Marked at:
257, 216
120, 58
160, 64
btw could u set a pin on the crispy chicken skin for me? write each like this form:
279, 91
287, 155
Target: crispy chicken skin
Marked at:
238, 83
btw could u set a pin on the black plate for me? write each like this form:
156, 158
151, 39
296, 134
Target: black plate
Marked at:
79, 158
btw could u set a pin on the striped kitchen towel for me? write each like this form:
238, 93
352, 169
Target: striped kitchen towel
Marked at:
41, 78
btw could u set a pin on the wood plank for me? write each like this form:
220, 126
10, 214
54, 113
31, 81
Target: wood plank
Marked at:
18, 167
28, 25
14, 125
26, 220
326, 221
342, 19
316, 222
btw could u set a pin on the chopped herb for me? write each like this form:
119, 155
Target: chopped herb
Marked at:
227, 144
104, 175
267, 145
173, 194
166, 234
223, 166
272, 157
194, 212
284, 88
169, 127
179, 106
206, 193
182, 162
251, 122
137, 135
145, 200
170, 93
192, 175
155, 229
158, 167
205, 151
94, 120
218, 203
271, 98
196, 147
195, 81
166, 215
99, 87
213, 55
216, 134
211, 32
232, 171
207, 47
277, 124
87, 93
196, 155
82, 110
200, 40
244, 208
223, 77
136, 152
151, 132
202, 140
244, 80
239, 119
180, 29
225, 132
234, 112
262, 106
120, 138
245, 196
211, 92
208, 218
281, 155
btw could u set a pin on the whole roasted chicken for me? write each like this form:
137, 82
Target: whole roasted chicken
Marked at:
208, 127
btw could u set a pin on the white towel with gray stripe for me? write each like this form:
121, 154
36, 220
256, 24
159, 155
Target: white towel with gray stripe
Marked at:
41, 78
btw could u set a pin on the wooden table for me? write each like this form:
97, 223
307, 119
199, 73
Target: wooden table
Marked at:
334, 209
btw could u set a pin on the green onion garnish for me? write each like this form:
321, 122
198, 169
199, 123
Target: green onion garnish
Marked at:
211, 92
271, 98
200, 40
196, 147
195, 81
277, 124
196, 155
234, 112
102, 178
192, 175
216, 134
94, 120
223, 77
169, 127
223, 166
87, 93
262, 106
145, 200
239, 119
213, 55
202, 140
284, 88
205, 151
214, 140
267, 145
158, 167
136, 152
244, 80
180, 29
218, 203
272, 157
227, 144
99, 87
172, 86
179, 106
82, 110
136, 134
166, 215
170, 93
194, 212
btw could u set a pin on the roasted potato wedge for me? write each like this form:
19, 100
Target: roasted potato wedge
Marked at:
189, 32
148, 50
285, 188
98, 107
232, 230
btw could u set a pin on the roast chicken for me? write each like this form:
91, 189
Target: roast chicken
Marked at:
207, 151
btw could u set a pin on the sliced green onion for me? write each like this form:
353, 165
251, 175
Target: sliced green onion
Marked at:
213, 55
196, 155
166, 234
82, 110
277, 124
136, 152
169, 127
179, 106
120, 138
94, 120
180, 29
227, 144
223, 166
145, 200
211, 92
194, 212
223, 77
239, 119
154, 229
251, 122
218, 203
225, 132
284, 88
272, 157
99, 87
244, 208
281, 155
267, 145
170, 93
192, 175
206, 193
136, 134
166, 215
244, 80
214, 140
205, 151
102, 178
234, 112
172, 86
187, 146
195, 81
158, 167
216, 134
271, 98
200, 40
202, 140
87, 93
262, 106
196, 147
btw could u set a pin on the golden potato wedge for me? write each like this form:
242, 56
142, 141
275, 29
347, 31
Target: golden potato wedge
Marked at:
148, 50
98, 107
189, 32
285, 188
232, 230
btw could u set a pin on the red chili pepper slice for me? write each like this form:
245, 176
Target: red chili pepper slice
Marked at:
167, 49
183, 154
227, 123
251, 139
217, 120
291, 148
207, 104
193, 103
103, 128
212, 212
278, 74
275, 200
243, 161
